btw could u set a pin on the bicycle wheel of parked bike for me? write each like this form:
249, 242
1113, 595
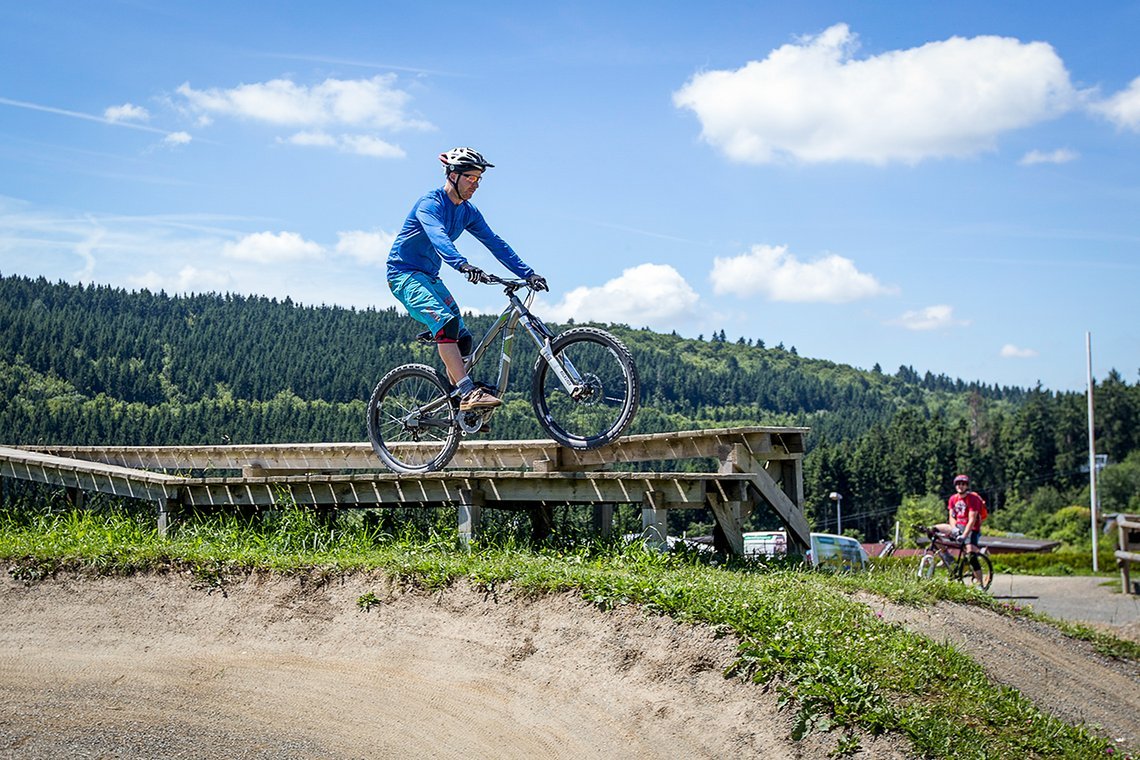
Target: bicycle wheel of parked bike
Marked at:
927, 566
603, 405
964, 571
411, 420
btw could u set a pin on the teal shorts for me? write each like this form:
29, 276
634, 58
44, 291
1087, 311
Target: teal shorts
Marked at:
428, 300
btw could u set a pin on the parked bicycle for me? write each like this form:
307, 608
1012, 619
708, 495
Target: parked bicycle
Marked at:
946, 553
584, 391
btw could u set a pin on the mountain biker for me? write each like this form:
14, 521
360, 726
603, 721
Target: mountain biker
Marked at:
426, 239
966, 510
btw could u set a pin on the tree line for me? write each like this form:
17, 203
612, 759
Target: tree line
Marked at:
93, 364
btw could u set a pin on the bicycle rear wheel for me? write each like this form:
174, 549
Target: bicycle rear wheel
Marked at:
964, 571
411, 420
602, 405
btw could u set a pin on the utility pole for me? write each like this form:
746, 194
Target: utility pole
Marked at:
1092, 454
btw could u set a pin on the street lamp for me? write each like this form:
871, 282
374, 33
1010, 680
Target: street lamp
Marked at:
838, 499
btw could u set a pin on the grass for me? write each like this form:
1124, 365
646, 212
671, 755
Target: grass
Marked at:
835, 664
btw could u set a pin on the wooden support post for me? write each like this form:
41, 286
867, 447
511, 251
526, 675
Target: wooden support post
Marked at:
541, 522
654, 523
77, 497
792, 480
728, 534
782, 489
167, 513
603, 520
470, 514
1128, 527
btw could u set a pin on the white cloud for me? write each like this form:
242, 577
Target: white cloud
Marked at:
365, 247
370, 103
778, 275
272, 248
654, 295
1010, 351
1059, 156
367, 145
935, 317
362, 145
316, 139
188, 280
177, 138
126, 112
813, 101
1123, 108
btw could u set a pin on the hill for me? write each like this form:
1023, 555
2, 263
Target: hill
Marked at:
99, 365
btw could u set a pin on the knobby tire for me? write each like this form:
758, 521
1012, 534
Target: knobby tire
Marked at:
411, 420
614, 390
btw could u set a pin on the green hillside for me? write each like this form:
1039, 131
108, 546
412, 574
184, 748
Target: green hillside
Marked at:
100, 365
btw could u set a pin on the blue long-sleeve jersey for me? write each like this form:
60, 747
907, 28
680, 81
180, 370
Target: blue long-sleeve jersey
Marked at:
429, 233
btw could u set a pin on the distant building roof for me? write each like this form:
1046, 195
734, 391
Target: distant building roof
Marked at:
1011, 544
1003, 544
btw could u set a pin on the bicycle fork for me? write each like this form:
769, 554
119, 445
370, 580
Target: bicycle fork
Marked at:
563, 369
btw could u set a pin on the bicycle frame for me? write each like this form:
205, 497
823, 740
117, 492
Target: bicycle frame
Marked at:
940, 545
518, 310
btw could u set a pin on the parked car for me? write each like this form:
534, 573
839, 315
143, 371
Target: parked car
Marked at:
827, 549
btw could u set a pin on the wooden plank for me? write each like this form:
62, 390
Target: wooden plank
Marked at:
764, 443
790, 513
88, 476
672, 491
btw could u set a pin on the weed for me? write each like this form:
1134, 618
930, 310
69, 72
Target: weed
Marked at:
210, 578
28, 571
847, 746
365, 602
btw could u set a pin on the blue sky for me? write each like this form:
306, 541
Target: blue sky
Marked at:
948, 186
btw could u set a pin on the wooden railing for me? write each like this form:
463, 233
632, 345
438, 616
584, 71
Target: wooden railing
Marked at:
1128, 528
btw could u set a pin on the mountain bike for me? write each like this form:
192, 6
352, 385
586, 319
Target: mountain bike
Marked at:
584, 391
950, 554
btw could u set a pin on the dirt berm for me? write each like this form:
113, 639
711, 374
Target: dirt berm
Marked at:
290, 667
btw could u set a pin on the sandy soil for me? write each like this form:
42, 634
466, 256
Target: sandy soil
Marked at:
157, 666
289, 668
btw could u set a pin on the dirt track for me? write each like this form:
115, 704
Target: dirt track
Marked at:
287, 668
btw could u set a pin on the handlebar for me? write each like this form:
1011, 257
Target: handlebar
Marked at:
509, 285
937, 537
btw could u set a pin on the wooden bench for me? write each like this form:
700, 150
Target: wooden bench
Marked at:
1129, 551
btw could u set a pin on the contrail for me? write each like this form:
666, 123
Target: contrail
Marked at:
79, 115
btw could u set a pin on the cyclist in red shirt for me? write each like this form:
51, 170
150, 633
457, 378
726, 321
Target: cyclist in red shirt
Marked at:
966, 511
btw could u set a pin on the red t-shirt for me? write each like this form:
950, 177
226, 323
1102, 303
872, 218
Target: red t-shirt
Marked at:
960, 505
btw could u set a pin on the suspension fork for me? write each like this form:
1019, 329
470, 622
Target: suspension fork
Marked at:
564, 369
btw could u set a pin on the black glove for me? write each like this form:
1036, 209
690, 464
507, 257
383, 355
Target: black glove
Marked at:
474, 274
537, 282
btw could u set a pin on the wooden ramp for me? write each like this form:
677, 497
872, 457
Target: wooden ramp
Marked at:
751, 467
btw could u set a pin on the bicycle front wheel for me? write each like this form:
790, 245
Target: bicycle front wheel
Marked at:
605, 390
411, 420
982, 578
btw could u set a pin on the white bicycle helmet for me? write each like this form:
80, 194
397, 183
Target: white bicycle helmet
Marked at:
463, 159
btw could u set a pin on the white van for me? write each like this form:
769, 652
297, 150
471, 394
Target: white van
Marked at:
827, 549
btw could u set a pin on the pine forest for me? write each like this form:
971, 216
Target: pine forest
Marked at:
96, 365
